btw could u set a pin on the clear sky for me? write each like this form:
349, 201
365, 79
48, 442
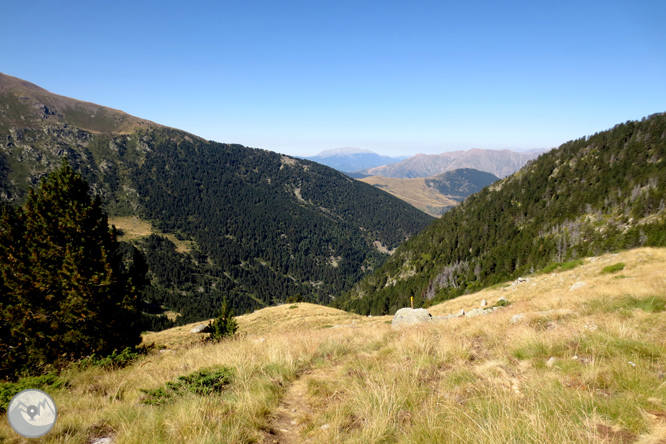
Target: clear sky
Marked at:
396, 77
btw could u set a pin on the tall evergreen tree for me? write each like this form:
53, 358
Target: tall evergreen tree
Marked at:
64, 292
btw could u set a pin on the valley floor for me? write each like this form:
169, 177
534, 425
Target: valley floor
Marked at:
577, 357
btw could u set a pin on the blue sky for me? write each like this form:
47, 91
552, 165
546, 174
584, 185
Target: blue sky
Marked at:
398, 78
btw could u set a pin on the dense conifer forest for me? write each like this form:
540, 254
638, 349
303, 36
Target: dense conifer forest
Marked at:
261, 227
597, 194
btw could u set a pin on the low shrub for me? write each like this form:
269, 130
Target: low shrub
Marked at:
48, 382
202, 382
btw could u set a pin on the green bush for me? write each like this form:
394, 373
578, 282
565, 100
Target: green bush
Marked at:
203, 382
294, 299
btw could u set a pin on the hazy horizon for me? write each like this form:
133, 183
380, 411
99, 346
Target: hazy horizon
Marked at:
396, 78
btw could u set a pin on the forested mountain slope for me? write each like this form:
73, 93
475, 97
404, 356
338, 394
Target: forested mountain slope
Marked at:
596, 194
262, 226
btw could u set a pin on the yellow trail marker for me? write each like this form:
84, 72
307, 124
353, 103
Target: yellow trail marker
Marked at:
412, 298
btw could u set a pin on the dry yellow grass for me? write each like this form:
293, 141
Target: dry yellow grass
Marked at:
413, 191
468, 380
133, 228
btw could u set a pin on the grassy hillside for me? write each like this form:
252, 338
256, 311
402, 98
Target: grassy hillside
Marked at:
597, 194
582, 365
434, 195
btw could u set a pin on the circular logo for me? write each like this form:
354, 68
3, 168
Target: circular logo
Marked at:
32, 413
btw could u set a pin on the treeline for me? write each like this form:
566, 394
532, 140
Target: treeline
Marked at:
593, 195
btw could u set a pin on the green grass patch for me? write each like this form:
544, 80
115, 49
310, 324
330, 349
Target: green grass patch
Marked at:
613, 268
561, 266
538, 349
327, 326
203, 382
115, 360
293, 306
626, 304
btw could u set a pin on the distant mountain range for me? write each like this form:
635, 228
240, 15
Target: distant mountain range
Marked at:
435, 195
500, 163
215, 220
348, 160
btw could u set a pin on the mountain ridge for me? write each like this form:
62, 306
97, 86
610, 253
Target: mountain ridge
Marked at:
49, 107
349, 160
500, 163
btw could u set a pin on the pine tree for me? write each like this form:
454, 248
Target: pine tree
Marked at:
224, 325
64, 292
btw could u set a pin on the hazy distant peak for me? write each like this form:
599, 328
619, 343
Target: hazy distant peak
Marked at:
344, 152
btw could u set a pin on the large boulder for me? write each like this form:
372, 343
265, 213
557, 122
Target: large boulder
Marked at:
407, 316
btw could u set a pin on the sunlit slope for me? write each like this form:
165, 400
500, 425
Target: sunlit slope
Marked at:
583, 364
434, 195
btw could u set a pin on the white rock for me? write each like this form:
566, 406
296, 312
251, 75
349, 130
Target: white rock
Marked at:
199, 328
550, 362
484, 302
517, 317
105, 440
577, 285
407, 316
325, 426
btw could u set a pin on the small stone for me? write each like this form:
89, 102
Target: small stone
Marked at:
502, 299
631, 364
294, 422
461, 312
293, 410
484, 302
325, 426
105, 440
575, 358
550, 362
